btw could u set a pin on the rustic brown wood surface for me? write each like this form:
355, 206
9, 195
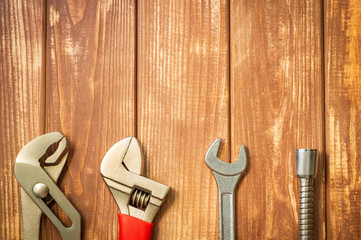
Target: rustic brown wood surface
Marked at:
183, 103
343, 121
21, 98
276, 107
178, 74
90, 97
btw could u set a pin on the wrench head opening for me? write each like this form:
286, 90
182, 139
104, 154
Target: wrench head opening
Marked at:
125, 155
228, 169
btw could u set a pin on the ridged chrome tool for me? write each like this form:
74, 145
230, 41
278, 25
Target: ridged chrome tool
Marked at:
306, 170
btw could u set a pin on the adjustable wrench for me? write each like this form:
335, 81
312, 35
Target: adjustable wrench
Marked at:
227, 176
139, 199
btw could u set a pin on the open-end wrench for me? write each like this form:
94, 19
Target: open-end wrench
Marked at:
227, 176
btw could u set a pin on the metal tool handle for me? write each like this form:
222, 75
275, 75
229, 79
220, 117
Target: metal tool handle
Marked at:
68, 233
226, 216
31, 217
226, 200
306, 170
306, 209
134, 228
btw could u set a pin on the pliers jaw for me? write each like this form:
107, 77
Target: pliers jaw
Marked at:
135, 195
37, 169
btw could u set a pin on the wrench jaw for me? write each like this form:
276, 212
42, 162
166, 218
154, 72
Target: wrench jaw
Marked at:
37, 164
135, 195
223, 168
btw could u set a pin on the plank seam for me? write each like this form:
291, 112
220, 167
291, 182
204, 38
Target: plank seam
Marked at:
44, 66
136, 69
325, 145
230, 79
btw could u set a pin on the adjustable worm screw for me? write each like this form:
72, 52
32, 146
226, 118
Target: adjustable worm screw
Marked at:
306, 170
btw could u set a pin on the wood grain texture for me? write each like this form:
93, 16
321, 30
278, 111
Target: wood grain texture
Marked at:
183, 103
91, 99
343, 125
99, 71
276, 106
21, 99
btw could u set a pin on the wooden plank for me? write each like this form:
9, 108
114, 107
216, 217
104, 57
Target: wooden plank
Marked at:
276, 107
21, 99
91, 99
343, 125
183, 102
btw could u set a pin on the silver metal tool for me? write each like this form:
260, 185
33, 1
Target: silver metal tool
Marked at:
37, 169
135, 195
227, 176
306, 170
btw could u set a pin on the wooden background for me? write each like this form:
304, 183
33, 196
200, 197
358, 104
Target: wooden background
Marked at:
274, 76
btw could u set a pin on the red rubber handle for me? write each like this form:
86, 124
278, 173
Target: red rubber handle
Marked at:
131, 228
